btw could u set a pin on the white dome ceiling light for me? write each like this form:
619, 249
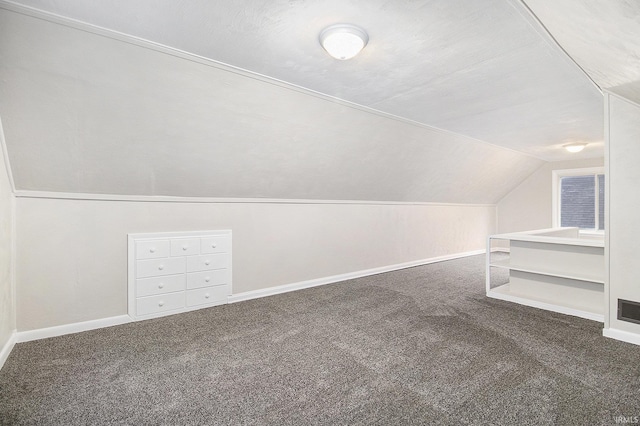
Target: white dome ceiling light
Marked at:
343, 41
574, 147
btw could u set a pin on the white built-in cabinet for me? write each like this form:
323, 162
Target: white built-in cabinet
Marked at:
622, 159
553, 269
174, 272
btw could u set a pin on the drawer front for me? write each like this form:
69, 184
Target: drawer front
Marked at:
159, 285
152, 249
156, 267
216, 244
185, 246
201, 296
208, 278
161, 303
207, 262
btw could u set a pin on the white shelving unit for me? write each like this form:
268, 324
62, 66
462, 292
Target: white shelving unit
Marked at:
552, 269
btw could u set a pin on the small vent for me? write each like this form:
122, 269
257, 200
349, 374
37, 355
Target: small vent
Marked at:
629, 311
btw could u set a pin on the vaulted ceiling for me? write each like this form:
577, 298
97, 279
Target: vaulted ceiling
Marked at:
603, 37
238, 99
484, 69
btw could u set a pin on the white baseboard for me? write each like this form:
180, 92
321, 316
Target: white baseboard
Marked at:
60, 330
43, 333
271, 291
6, 349
500, 250
625, 336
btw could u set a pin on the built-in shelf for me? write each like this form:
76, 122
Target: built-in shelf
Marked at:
552, 269
506, 264
504, 292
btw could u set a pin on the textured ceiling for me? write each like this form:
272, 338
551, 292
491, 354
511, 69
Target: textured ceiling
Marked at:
83, 113
603, 37
485, 69
262, 111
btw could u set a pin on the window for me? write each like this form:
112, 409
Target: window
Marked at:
579, 198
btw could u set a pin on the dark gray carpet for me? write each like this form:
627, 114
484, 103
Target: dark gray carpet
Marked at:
417, 346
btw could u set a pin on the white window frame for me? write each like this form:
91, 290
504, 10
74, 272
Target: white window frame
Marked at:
556, 175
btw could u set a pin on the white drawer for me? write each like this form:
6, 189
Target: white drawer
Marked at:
159, 285
208, 261
156, 267
152, 249
216, 244
160, 303
208, 278
185, 246
200, 296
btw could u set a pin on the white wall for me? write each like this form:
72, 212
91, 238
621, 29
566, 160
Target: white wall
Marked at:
99, 113
89, 113
72, 254
7, 306
529, 205
623, 203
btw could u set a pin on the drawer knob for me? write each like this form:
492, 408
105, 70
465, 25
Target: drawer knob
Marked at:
161, 303
207, 279
206, 262
152, 249
161, 267
161, 285
185, 247
213, 246
206, 296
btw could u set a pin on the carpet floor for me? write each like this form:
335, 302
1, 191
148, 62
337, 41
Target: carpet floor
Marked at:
417, 346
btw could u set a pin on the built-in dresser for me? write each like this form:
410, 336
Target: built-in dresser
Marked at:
174, 272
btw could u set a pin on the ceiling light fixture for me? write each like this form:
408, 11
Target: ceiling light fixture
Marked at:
574, 147
343, 41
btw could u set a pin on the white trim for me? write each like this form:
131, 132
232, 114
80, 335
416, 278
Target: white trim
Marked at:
271, 291
60, 330
555, 199
13, 259
214, 200
607, 216
43, 333
487, 266
146, 44
598, 170
7, 348
555, 188
546, 306
5, 155
131, 277
624, 336
545, 236
619, 96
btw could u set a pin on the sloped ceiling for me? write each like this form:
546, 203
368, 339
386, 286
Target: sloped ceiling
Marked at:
88, 114
603, 37
91, 111
483, 69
